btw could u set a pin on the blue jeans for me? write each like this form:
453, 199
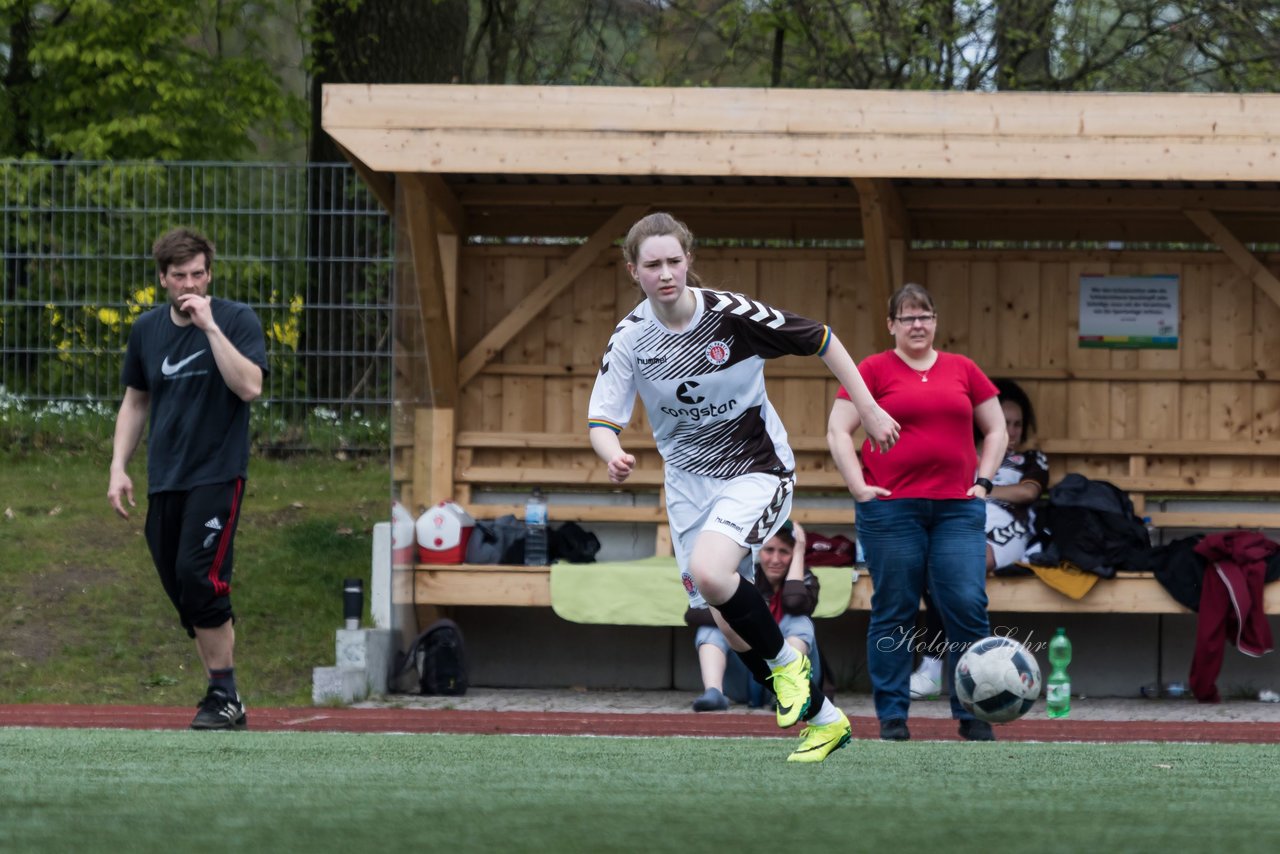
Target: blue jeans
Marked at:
911, 542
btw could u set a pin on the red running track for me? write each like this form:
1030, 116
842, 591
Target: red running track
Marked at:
323, 719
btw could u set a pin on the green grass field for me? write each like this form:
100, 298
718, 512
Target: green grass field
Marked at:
85, 620
95, 790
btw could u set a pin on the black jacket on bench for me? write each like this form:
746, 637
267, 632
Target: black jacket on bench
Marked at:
1092, 525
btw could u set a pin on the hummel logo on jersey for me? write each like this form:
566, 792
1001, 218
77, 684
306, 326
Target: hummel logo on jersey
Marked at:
214, 523
169, 370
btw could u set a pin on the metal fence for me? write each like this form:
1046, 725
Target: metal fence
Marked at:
306, 245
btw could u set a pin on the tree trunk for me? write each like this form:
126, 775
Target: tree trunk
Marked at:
19, 80
377, 41
1024, 36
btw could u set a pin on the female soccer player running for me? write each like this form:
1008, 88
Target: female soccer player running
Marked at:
696, 358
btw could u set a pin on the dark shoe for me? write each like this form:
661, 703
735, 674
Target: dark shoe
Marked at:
976, 730
712, 700
220, 711
894, 729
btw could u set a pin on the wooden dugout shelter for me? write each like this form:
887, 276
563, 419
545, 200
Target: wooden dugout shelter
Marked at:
509, 202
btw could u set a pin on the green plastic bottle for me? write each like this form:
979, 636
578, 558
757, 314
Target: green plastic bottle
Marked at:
1058, 686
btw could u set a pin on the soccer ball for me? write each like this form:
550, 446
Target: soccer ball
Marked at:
998, 680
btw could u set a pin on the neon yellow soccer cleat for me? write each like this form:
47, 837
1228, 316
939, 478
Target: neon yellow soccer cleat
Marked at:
791, 686
819, 742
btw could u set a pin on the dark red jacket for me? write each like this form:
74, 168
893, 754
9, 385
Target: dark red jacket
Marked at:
1231, 606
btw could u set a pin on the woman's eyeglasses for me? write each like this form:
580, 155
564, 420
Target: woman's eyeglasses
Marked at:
913, 319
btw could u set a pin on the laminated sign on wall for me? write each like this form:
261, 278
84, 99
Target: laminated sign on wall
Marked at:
1129, 312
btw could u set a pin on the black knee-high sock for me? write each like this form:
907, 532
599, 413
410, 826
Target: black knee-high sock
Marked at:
759, 668
763, 674
748, 615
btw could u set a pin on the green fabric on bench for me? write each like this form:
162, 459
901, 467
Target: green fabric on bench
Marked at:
648, 592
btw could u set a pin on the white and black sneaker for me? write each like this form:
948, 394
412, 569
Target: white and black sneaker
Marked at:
218, 710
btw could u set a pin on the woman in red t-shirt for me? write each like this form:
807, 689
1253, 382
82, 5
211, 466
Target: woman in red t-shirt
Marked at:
921, 513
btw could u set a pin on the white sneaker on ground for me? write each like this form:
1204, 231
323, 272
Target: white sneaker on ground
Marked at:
925, 685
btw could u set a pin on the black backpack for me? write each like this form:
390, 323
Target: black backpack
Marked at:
1092, 525
573, 543
440, 658
498, 541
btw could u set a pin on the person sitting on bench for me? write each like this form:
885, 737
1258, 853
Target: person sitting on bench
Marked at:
791, 590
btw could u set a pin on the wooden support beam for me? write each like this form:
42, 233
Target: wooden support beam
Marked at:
453, 217
829, 480
520, 586
428, 272
1239, 254
474, 584
746, 197
412, 380
1214, 521
1024, 201
433, 442
1138, 468
657, 515
1162, 447
595, 475
588, 151
843, 514
883, 236
1080, 447
1124, 594
450, 254
890, 207
1076, 200
785, 369
380, 184
541, 296
602, 130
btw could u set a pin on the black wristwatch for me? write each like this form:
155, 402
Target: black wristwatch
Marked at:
984, 483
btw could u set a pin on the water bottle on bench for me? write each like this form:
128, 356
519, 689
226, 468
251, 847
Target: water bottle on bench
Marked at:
535, 530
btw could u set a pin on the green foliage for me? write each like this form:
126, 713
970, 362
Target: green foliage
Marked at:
77, 269
86, 426
164, 79
193, 79
212, 79
1136, 45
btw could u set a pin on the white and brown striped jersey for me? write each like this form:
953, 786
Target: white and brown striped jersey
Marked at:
703, 388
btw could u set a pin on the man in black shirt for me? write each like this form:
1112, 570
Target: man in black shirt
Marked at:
192, 366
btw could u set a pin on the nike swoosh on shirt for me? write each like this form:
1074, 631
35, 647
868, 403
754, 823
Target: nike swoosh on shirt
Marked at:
169, 370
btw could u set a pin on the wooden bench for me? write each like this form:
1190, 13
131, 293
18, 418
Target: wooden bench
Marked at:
1143, 461
563, 465
530, 586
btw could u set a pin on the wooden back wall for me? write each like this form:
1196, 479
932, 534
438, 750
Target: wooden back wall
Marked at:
1014, 312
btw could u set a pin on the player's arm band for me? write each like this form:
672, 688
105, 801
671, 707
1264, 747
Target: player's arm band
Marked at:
600, 422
